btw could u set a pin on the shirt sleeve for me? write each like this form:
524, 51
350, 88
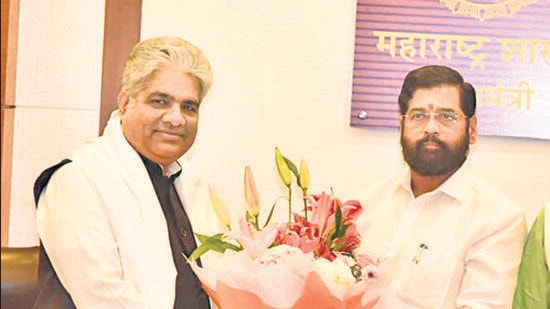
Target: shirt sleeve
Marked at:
533, 286
491, 264
76, 233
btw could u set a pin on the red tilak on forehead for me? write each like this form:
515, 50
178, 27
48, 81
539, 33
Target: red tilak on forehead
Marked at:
430, 107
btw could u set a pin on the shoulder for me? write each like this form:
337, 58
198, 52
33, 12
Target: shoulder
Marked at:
493, 210
493, 199
94, 150
91, 166
381, 187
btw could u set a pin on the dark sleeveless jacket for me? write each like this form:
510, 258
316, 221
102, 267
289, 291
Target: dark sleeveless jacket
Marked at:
51, 293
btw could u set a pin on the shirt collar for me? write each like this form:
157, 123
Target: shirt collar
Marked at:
174, 169
455, 186
458, 184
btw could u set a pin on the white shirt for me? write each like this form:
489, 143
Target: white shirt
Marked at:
472, 238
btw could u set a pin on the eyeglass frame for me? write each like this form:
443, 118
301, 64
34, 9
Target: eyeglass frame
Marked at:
437, 113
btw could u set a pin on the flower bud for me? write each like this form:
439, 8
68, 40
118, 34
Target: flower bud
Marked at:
219, 208
282, 168
251, 193
304, 175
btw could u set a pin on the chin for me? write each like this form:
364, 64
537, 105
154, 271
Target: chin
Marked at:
169, 154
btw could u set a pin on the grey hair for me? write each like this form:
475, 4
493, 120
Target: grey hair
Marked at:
150, 55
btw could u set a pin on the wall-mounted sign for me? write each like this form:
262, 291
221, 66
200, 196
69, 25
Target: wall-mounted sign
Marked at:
501, 47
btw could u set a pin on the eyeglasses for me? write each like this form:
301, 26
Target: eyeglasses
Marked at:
419, 117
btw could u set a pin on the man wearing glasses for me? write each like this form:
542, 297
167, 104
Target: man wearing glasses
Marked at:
451, 240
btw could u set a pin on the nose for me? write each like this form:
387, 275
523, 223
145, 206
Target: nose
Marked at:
431, 126
174, 116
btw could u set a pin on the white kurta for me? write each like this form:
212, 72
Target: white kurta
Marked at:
472, 238
103, 228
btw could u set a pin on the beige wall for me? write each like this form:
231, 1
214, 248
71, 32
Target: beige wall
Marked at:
58, 86
282, 78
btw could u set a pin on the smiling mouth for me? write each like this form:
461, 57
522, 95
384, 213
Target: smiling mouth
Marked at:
171, 134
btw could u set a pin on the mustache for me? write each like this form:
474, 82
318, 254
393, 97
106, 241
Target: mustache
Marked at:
431, 138
171, 131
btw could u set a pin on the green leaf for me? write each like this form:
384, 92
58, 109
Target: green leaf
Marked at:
215, 243
249, 217
272, 210
337, 224
204, 238
292, 167
252, 219
344, 230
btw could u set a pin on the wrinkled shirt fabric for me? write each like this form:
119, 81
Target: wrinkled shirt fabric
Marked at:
458, 246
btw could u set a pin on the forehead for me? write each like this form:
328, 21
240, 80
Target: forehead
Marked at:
444, 96
172, 80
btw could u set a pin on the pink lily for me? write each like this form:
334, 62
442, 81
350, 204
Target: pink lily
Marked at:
253, 241
321, 211
301, 234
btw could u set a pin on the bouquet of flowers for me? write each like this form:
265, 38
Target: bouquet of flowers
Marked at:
306, 262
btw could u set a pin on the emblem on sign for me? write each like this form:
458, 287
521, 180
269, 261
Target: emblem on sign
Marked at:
484, 10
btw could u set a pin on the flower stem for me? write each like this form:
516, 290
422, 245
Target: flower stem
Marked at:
256, 222
305, 203
289, 204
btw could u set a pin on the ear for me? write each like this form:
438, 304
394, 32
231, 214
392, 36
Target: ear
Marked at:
472, 130
123, 100
401, 119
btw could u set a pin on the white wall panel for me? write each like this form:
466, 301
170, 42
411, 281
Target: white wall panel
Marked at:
58, 90
60, 53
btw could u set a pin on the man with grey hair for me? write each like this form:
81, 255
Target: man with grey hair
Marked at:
117, 219
452, 240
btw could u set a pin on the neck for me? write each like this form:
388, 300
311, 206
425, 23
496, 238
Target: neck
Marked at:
423, 184
163, 166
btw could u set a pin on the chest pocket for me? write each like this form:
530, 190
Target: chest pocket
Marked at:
426, 277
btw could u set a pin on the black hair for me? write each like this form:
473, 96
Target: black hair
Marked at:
435, 75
